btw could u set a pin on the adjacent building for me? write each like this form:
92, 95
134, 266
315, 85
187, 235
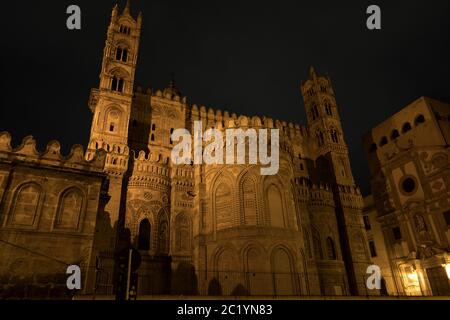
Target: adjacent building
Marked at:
408, 215
51, 209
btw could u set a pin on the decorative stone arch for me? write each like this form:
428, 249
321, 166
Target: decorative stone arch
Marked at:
70, 212
317, 244
114, 119
224, 183
162, 233
26, 205
359, 249
283, 266
182, 227
249, 198
256, 266
227, 273
120, 72
275, 202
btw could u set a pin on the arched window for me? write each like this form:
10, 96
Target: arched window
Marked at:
249, 202
328, 109
383, 141
124, 29
334, 135
70, 209
170, 136
144, 235
331, 249
117, 84
224, 213
163, 235
406, 127
122, 54
26, 205
182, 233
394, 134
320, 138
113, 120
275, 202
317, 245
315, 111
419, 119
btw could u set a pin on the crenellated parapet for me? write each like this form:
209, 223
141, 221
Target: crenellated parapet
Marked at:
26, 152
321, 195
150, 170
117, 156
350, 197
223, 119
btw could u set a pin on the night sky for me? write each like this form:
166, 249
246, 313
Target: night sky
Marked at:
247, 57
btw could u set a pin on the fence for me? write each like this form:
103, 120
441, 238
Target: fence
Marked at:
158, 281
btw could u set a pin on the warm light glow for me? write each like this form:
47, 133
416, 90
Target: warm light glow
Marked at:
413, 276
447, 269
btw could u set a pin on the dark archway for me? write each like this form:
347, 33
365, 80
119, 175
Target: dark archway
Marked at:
144, 235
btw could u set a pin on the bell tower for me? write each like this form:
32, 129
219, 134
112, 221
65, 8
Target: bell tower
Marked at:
332, 165
111, 102
325, 127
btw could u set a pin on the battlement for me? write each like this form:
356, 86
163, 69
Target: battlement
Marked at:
350, 197
223, 119
150, 168
321, 195
26, 152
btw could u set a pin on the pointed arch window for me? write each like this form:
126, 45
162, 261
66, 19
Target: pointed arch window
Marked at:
70, 209
331, 249
275, 202
26, 205
163, 235
328, 109
223, 199
113, 120
317, 245
182, 233
334, 135
249, 201
314, 111
320, 138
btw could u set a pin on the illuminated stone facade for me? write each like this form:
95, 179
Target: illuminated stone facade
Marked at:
410, 211
219, 229
226, 229
50, 207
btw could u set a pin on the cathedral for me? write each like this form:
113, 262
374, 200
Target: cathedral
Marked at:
200, 229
